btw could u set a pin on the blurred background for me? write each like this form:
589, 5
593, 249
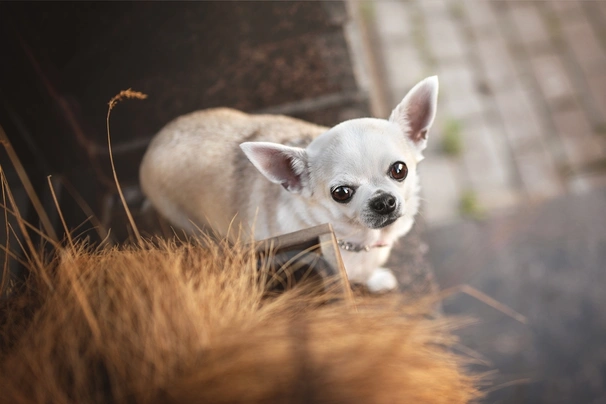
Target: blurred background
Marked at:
514, 180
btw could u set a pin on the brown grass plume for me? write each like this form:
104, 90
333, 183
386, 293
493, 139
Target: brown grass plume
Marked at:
168, 323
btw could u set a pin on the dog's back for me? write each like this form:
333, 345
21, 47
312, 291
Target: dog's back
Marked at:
194, 171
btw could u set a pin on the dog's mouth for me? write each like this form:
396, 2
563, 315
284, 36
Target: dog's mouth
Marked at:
379, 222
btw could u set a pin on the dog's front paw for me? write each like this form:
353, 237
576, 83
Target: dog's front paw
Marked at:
381, 280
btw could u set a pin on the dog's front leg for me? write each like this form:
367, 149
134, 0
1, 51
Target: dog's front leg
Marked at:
381, 280
365, 268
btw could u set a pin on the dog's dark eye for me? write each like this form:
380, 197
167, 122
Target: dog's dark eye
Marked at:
342, 194
398, 171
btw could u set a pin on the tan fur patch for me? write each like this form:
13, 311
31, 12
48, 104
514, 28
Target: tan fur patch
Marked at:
190, 324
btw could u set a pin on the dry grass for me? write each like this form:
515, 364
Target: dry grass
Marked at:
189, 323
122, 95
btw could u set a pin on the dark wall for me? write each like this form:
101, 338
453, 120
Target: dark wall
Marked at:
64, 61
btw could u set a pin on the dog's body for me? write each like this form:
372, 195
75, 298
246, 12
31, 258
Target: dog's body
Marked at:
360, 176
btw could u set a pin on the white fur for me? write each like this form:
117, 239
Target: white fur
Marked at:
194, 175
381, 280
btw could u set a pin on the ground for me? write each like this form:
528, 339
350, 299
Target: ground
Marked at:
514, 178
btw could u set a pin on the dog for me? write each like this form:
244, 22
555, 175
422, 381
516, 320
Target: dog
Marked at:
287, 174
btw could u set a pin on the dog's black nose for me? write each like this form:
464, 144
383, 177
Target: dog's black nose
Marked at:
383, 204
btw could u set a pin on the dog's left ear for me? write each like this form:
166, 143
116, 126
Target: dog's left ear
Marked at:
415, 114
280, 164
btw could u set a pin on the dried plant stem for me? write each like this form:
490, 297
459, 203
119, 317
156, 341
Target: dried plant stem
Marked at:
8, 253
99, 228
65, 228
28, 261
112, 103
484, 298
517, 382
27, 185
5, 267
38, 264
39, 232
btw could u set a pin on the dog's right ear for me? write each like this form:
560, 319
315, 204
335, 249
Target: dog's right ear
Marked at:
415, 114
280, 164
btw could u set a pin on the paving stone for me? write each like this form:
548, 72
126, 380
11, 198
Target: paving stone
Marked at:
440, 188
529, 26
492, 195
394, 19
493, 53
569, 9
552, 78
460, 95
404, 67
480, 16
433, 7
597, 88
586, 182
584, 45
492, 200
487, 157
580, 144
436, 134
538, 173
445, 38
519, 115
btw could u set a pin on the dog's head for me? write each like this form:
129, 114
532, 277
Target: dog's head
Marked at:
362, 171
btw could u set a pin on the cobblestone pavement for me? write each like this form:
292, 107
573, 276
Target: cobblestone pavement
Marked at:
522, 105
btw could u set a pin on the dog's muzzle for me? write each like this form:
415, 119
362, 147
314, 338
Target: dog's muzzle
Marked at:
384, 204
382, 211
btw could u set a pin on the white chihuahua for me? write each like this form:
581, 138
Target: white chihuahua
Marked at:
360, 176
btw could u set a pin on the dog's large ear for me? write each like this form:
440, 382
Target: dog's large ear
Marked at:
416, 112
280, 164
